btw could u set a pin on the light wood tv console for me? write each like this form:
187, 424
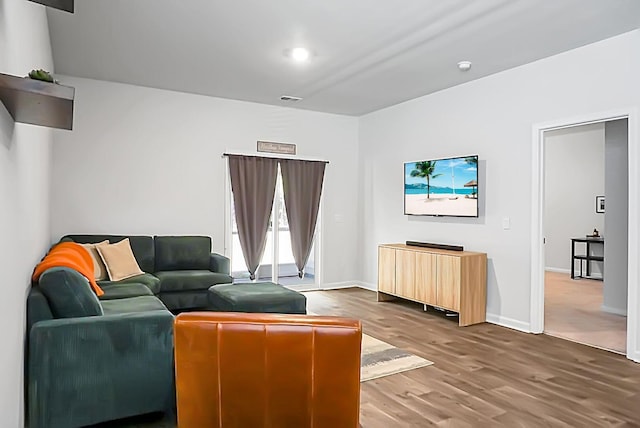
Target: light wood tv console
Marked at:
453, 280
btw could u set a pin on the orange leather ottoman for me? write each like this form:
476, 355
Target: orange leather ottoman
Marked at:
239, 370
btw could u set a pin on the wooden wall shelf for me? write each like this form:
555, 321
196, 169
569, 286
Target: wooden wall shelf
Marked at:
36, 102
66, 5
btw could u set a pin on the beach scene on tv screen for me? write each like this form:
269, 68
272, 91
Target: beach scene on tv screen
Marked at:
442, 187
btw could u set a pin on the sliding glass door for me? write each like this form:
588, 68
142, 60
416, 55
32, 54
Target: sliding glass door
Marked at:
277, 261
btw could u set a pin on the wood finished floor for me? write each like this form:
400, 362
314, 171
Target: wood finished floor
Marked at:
572, 311
483, 375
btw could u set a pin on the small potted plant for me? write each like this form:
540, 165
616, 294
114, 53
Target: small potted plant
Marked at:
42, 75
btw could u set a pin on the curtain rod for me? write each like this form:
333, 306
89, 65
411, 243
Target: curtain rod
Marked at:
272, 157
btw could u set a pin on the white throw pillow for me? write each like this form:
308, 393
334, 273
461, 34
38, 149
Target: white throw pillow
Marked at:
119, 260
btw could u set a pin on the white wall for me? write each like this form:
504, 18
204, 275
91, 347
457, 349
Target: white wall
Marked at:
493, 117
24, 196
148, 161
616, 217
574, 176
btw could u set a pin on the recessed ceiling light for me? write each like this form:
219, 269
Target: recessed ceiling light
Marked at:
299, 54
464, 65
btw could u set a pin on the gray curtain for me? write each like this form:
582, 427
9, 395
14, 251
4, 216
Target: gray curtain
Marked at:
253, 182
302, 183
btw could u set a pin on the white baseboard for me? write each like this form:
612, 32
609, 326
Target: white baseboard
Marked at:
568, 271
509, 323
558, 270
615, 311
634, 356
348, 284
367, 286
339, 285
303, 287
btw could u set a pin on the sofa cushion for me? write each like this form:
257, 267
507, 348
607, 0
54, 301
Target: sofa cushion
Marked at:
69, 293
123, 291
186, 300
182, 252
119, 260
146, 279
142, 246
132, 304
182, 280
99, 269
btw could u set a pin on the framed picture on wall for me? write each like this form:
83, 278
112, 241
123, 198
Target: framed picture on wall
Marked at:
600, 204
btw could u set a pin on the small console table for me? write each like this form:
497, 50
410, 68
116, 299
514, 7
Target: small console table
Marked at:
586, 257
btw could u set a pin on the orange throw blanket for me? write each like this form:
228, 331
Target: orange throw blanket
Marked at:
73, 256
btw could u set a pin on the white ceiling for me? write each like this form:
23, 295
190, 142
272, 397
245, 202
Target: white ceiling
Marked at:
368, 54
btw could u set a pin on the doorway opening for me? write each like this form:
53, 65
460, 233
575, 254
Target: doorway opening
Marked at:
625, 273
582, 164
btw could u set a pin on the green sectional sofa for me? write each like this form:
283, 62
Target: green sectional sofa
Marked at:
91, 359
178, 269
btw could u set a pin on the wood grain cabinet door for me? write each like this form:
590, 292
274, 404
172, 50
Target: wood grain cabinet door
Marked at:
426, 278
387, 270
406, 274
448, 273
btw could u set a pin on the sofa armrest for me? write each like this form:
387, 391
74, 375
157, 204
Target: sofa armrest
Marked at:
92, 369
219, 263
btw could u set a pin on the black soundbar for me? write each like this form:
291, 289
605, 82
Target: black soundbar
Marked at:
438, 246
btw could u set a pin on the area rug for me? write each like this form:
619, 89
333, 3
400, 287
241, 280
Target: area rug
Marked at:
382, 359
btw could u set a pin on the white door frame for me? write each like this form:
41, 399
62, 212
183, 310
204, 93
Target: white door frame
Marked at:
537, 219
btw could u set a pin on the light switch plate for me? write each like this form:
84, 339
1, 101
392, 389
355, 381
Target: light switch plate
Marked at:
506, 223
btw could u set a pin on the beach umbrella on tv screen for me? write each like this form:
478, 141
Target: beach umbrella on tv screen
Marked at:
472, 183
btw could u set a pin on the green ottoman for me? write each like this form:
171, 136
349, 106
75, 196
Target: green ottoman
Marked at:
261, 297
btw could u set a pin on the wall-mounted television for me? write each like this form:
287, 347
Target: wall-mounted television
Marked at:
442, 187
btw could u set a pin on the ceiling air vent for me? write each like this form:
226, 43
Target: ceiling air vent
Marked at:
290, 98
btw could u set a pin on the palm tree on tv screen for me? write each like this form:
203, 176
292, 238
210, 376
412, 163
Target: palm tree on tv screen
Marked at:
426, 170
472, 160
